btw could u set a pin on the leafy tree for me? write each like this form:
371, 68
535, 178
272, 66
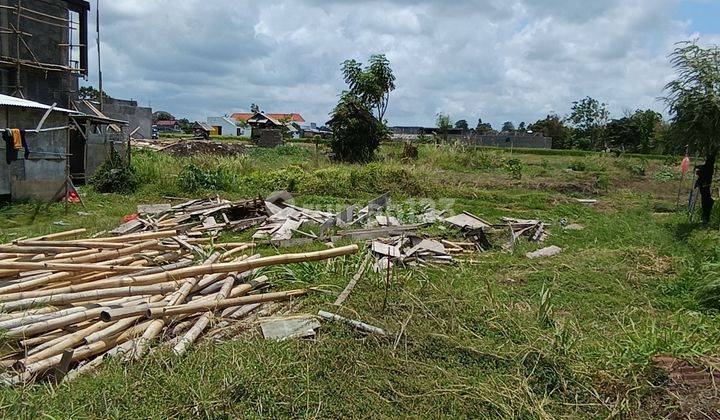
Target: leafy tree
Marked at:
639, 132
508, 127
483, 128
521, 128
371, 85
254, 108
554, 127
356, 131
90, 93
693, 99
443, 127
462, 125
162, 115
589, 117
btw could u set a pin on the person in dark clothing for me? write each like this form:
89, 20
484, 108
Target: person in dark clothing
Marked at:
704, 174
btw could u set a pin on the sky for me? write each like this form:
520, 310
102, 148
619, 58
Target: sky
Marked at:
499, 60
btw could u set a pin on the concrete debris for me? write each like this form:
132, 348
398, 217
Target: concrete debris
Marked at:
298, 326
467, 220
361, 326
588, 201
152, 209
574, 226
545, 252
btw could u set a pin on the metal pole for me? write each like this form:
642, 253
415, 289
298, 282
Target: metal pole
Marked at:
97, 30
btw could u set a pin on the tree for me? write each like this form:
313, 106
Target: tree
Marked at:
462, 125
254, 108
508, 127
90, 93
589, 118
483, 128
371, 85
443, 127
356, 131
693, 100
554, 127
521, 127
162, 115
639, 132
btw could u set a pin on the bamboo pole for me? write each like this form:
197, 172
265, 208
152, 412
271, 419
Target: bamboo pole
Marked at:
53, 324
38, 249
226, 303
19, 266
117, 253
31, 319
54, 235
78, 243
235, 251
141, 345
202, 323
34, 282
135, 237
66, 298
231, 267
351, 285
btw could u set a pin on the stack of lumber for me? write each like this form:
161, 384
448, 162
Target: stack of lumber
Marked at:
66, 301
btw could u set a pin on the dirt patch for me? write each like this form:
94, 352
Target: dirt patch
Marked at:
689, 390
200, 147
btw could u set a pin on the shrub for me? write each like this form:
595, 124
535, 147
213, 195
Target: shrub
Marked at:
514, 167
357, 133
193, 178
114, 176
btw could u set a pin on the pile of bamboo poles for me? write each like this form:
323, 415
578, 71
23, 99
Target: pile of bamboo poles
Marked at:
68, 302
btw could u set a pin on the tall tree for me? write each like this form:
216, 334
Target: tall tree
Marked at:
589, 117
639, 132
254, 108
371, 85
508, 127
356, 131
462, 125
521, 127
554, 127
693, 99
162, 116
90, 93
443, 127
483, 128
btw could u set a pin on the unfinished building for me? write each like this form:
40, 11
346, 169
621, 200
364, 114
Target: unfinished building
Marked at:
43, 53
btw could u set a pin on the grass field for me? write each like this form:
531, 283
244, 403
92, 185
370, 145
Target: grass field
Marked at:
498, 336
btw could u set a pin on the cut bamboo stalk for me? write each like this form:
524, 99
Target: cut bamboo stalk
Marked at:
226, 303
65, 298
202, 323
53, 324
109, 255
31, 319
142, 344
135, 237
353, 323
57, 235
229, 267
74, 244
41, 339
35, 281
69, 341
351, 285
73, 254
235, 251
38, 249
19, 266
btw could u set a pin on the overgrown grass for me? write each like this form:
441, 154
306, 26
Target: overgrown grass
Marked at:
497, 335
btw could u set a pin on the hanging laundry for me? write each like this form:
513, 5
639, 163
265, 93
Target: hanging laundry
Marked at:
15, 140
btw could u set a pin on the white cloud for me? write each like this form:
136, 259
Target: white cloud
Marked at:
500, 60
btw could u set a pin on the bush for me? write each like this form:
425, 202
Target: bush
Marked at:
193, 178
514, 167
114, 176
357, 133
578, 166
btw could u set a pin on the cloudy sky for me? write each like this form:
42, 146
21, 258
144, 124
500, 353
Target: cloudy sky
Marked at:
496, 59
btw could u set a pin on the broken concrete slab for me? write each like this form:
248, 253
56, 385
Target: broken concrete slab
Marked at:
466, 220
574, 226
428, 245
299, 326
385, 249
545, 252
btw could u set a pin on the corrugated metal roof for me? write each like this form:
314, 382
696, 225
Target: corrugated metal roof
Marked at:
6, 100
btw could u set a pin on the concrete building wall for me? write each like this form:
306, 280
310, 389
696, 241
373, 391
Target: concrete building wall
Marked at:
136, 116
37, 84
98, 148
229, 128
42, 175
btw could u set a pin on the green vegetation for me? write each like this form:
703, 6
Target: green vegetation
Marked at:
495, 336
